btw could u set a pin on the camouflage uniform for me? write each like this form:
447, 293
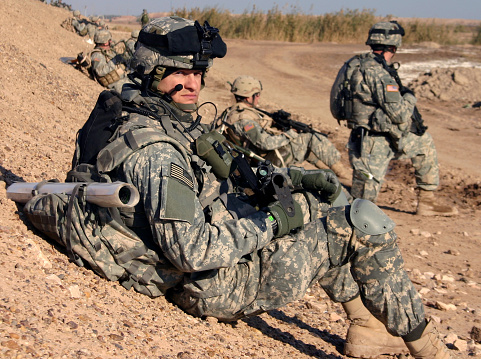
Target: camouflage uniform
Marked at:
254, 131
227, 264
386, 115
106, 65
79, 24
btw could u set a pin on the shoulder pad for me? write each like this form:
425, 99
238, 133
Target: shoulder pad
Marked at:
369, 218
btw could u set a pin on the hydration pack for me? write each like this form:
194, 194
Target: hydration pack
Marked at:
341, 99
105, 239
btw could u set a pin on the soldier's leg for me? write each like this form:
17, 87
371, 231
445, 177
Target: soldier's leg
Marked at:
423, 155
369, 166
377, 268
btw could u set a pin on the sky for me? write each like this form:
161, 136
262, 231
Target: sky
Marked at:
447, 9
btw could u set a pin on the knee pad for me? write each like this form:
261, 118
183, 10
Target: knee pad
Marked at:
369, 218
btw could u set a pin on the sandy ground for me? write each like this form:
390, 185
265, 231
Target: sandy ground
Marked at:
50, 308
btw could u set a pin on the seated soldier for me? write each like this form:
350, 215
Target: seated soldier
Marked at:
107, 67
250, 127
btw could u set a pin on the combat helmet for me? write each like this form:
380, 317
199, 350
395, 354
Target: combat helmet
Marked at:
102, 37
178, 43
76, 13
245, 86
385, 33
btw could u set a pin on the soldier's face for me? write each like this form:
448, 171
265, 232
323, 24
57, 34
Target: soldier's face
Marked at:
191, 80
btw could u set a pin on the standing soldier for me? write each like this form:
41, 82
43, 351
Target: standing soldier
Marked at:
252, 128
144, 18
386, 124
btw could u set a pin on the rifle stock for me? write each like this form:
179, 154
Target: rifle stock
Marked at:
117, 194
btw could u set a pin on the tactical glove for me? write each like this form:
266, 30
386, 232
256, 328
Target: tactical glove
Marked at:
284, 222
324, 181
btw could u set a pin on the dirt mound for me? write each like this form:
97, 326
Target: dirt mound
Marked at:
451, 84
51, 308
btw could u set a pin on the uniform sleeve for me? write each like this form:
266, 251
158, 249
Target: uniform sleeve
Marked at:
100, 65
385, 92
168, 193
259, 137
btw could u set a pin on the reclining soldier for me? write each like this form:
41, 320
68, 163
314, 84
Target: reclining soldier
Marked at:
108, 67
252, 128
226, 253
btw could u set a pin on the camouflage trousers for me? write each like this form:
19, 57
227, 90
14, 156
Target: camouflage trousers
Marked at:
327, 250
302, 145
371, 165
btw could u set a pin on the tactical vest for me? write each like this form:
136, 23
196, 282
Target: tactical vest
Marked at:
118, 244
112, 76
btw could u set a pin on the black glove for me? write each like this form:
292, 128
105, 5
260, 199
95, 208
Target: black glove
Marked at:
118, 59
324, 181
285, 223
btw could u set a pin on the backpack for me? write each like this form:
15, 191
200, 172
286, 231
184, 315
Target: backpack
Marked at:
97, 236
341, 99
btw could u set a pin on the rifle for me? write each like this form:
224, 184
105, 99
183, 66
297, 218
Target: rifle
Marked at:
117, 194
418, 127
283, 121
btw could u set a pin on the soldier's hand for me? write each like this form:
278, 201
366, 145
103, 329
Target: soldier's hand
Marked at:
324, 181
285, 223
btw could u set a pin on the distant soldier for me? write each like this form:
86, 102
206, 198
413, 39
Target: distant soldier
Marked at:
144, 18
130, 46
79, 24
252, 128
92, 26
107, 67
386, 125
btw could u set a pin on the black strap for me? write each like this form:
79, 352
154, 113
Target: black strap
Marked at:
74, 257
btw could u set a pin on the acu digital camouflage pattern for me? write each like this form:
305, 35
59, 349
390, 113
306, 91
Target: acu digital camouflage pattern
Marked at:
150, 58
108, 69
379, 107
254, 130
228, 259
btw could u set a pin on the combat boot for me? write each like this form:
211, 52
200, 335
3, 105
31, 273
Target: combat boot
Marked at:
367, 337
428, 206
429, 345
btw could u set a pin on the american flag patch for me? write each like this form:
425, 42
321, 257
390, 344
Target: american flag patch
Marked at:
248, 127
181, 175
392, 88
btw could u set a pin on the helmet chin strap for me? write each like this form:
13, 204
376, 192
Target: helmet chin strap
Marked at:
186, 107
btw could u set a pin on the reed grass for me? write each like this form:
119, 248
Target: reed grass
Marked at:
345, 26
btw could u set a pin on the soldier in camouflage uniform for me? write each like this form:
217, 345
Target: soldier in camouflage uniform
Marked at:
382, 125
252, 128
107, 67
224, 255
79, 24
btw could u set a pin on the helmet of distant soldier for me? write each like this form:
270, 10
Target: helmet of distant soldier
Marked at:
387, 33
246, 86
135, 34
76, 13
102, 36
175, 42
94, 18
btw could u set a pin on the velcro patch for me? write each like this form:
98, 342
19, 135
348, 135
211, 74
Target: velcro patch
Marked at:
181, 175
248, 127
392, 88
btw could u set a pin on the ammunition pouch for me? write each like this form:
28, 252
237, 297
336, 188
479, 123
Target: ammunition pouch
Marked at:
110, 78
211, 148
